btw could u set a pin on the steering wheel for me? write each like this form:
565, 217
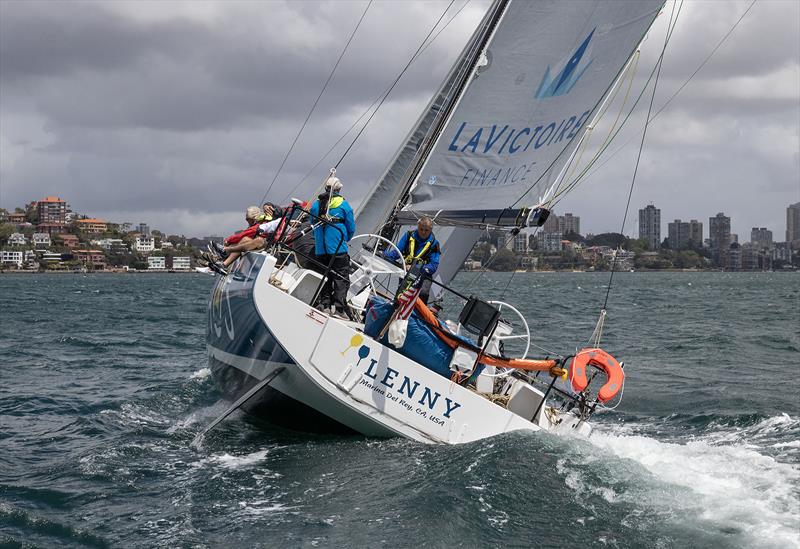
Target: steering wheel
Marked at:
369, 265
503, 372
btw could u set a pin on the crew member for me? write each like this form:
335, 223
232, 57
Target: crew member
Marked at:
331, 236
421, 252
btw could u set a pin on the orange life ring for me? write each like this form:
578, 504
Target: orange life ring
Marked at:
605, 362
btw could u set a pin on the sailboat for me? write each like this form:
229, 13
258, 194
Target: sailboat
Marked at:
486, 152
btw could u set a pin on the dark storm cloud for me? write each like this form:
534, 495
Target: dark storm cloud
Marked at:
93, 68
180, 113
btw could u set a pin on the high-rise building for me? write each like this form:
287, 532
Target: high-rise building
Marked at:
552, 225
696, 233
52, 214
761, 237
719, 232
144, 229
678, 234
569, 223
520, 243
650, 226
793, 222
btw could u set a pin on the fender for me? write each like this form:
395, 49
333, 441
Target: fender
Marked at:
605, 362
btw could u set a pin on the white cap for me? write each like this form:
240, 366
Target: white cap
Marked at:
333, 183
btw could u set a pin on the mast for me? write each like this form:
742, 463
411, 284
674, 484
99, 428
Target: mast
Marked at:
494, 15
381, 204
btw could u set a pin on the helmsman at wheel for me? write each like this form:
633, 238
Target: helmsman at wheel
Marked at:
421, 252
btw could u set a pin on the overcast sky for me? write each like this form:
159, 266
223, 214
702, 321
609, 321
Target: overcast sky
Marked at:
178, 114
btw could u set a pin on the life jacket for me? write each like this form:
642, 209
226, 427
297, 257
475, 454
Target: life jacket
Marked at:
412, 256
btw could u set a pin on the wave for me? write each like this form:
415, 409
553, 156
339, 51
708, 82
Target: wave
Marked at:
721, 480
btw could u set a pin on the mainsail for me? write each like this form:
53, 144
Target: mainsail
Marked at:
541, 71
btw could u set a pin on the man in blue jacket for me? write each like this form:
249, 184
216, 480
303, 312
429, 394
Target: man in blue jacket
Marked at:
331, 245
421, 252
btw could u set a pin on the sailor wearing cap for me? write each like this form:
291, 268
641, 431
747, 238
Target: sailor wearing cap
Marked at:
335, 226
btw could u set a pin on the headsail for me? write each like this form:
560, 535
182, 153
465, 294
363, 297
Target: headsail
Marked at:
547, 68
497, 136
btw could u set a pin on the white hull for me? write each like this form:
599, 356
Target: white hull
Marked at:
365, 386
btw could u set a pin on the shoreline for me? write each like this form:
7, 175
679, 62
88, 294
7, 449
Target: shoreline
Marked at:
193, 272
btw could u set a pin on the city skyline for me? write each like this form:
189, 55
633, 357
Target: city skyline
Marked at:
184, 122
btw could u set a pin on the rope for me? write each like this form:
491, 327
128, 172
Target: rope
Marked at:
368, 109
569, 143
594, 340
386, 95
697, 70
314, 106
609, 136
638, 157
609, 140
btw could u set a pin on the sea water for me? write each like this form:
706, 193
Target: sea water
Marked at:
104, 383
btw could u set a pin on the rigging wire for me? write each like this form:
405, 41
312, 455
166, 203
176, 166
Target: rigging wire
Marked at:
670, 29
374, 102
569, 143
666, 103
386, 95
638, 158
314, 106
609, 140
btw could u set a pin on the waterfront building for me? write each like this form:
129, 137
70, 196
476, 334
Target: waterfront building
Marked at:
793, 222
95, 258
143, 228
144, 244
156, 263
551, 225
41, 240
719, 232
549, 242
678, 234
650, 226
182, 263
92, 225
733, 259
684, 234
17, 218
761, 237
569, 223
51, 258
696, 233
520, 243
782, 251
750, 257
68, 240
529, 262
30, 261
17, 239
52, 215
111, 245
11, 258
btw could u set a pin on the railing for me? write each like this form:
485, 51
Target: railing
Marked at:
284, 236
